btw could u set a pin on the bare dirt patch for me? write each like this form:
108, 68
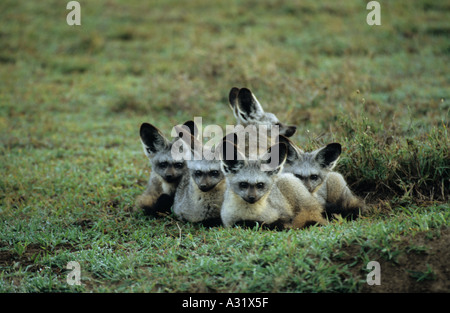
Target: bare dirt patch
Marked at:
420, 264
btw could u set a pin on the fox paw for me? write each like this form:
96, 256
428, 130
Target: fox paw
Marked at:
161, 207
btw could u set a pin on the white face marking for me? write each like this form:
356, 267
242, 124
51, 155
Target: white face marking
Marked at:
203, 165
305, 170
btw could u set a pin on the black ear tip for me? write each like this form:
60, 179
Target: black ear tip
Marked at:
191, 126
145, 125
145, 128
246, 101
335, 146
290, 131
244, 92
233, 95
234, 91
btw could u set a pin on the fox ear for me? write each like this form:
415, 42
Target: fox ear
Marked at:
192, 128
185, 134
190, 144
231, 137
248, 106
152, 139
186, 131
274, 158
290, 130
220, 151
232, 97
232, 101
329, 155
232, 160
293, 151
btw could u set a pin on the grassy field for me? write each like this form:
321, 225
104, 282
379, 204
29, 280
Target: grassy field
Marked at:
72, 99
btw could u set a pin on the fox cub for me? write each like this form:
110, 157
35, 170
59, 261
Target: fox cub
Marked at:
257, 125
166, 172
199, 195
248, 111
315, 170
268, 197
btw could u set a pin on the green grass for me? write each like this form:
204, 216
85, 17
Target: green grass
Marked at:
121, 253
72, 100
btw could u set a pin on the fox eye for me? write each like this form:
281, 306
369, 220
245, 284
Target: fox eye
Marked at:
243, 185
214, 173
198, 173
314, 177
260, 185
163, 164
299, 176
178, 165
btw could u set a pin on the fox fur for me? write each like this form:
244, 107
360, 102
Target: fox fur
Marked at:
199, 195
266, 197
315, 170
248, 111
254, 125
166, 173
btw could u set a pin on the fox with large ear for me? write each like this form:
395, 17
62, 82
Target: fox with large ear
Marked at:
166, 172
248, 111
268, 196
199, 195
315, 170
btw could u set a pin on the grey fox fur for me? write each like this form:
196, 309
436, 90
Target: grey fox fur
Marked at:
166, 172
199, 195
255, 126
266, 197
315, 170
248, 111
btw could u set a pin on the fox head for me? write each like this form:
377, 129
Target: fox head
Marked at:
248, 111
245, 177
206, 173
159, 150
313, 167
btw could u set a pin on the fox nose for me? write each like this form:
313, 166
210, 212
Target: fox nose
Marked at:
251, 199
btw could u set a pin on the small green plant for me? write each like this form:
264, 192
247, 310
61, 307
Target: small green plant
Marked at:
20, 247
409, 169
418, 249
419, 276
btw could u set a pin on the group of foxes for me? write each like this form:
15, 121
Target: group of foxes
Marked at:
298, 190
